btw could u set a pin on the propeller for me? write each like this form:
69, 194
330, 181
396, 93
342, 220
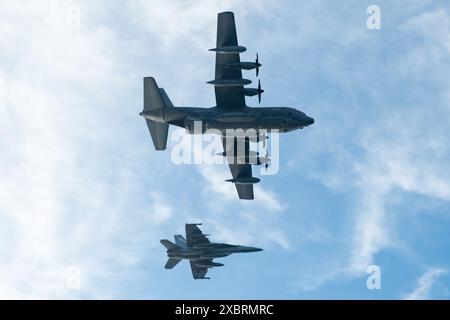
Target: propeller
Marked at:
259, 91
267, 163
264, 141
257, 64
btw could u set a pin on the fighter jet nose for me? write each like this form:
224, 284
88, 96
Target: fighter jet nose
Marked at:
310, 121
252, 249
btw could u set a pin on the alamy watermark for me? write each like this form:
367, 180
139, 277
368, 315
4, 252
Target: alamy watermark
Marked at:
64, 18
374, 20
73, 277
374, 279
233, 146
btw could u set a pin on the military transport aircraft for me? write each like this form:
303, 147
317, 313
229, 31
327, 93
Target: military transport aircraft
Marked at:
230, 114
199, 251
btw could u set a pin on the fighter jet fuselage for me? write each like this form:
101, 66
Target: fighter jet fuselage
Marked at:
212, 250
199, 251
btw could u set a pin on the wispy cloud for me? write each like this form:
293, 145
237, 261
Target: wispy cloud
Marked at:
66, 199
399, 145
424, 284
81, 185
161, 211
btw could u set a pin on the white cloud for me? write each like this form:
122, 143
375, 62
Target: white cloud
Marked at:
215, 177
68, 190
260, 218
161, 211
425, 283
402, 147
400, 158
74, 187
65, 200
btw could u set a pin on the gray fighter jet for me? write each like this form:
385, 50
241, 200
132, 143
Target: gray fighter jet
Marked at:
199, 251
230, 113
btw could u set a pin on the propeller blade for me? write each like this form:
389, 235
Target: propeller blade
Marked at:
257, 64
259, 91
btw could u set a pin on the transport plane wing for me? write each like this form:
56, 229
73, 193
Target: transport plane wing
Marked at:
228, 82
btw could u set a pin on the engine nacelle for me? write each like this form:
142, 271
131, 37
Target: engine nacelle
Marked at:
250, 92
229, 49
244, 180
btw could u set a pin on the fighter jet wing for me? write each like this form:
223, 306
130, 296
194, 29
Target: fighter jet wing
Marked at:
197, 271
240, 171
230, 97
194, 236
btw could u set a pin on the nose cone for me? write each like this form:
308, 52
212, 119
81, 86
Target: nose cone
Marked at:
250, 249
309, 121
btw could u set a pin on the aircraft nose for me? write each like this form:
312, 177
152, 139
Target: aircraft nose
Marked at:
310, 121
252, 249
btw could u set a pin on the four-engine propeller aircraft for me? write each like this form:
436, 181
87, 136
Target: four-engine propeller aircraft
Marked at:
230, 113
199, 251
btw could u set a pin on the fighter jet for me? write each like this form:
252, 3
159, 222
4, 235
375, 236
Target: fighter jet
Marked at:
199, 251
230, 114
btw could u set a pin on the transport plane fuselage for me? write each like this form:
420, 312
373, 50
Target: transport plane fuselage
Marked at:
269, 119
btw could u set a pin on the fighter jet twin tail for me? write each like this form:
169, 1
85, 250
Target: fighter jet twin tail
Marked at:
230, 114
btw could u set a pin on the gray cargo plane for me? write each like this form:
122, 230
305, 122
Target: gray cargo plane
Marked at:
199, 251
230, 113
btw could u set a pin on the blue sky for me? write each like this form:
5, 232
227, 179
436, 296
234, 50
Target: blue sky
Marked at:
367, 184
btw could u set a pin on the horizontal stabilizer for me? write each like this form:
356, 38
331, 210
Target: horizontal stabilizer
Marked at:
159, 132
171, 263
156, 99
169, 245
